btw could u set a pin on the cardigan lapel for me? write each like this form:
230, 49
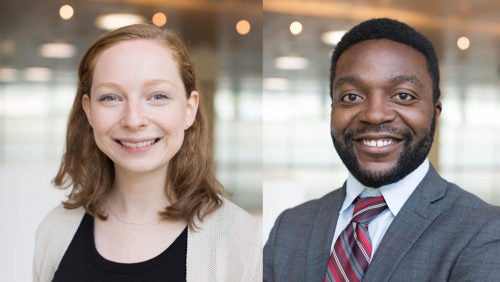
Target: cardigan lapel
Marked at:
412, 220
322, 234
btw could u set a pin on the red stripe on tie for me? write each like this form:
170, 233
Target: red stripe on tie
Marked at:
349, 259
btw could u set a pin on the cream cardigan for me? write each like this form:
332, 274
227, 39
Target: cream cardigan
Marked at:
226, 247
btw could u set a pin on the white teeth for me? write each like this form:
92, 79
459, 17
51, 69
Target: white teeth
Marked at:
377, 143
137, 144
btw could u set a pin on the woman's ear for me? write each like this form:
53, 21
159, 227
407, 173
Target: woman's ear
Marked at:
86, 107
191, 108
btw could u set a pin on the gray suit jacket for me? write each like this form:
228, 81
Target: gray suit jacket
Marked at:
442, 233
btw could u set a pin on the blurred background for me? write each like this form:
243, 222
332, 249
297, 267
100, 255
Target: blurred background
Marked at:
41, 43
300, 162
264, 68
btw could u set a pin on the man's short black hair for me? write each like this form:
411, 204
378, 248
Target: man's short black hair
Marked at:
384, 28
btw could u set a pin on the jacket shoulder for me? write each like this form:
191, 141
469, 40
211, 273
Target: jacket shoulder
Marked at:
461, 200
226, 246
232, 215
307, 211
60, 216
53, 236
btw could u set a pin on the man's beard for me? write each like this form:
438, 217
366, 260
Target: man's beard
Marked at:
412, 155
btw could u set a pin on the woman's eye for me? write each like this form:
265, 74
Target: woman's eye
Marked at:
351, 98
108, 98
159, 97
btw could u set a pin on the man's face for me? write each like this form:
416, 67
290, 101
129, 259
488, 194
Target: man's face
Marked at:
383, 115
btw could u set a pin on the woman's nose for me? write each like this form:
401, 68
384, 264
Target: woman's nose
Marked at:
134, 117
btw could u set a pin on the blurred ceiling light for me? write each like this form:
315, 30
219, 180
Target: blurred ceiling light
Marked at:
37, 74
463, 43
8, 74
66, 12
275, 83
332, 37
114, 21
57, 50
296, 28
291, 62
159, 19
243, 27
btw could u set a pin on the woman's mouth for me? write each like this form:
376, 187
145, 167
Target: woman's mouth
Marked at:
138, 144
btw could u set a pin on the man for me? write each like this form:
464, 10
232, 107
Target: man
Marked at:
409, 224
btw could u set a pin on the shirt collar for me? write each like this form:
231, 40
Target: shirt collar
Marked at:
395, 194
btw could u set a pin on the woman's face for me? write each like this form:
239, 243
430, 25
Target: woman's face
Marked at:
138, 107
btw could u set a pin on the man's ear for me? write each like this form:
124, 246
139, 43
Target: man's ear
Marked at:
437, 112
438, 108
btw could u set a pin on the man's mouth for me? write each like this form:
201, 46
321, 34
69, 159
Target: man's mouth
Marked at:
378, 142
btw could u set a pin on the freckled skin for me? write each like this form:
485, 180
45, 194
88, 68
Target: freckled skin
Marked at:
138, 96
382, 91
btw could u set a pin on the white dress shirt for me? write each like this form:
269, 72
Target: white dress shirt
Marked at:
395, 196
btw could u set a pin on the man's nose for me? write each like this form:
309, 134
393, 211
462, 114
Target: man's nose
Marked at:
377, 109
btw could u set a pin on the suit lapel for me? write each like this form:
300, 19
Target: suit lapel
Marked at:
322, 235
412, 220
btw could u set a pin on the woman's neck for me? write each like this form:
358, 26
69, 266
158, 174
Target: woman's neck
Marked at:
138, 196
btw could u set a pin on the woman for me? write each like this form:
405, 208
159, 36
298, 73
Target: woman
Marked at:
144, 202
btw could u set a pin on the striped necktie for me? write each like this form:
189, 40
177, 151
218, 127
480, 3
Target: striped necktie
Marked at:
353, 249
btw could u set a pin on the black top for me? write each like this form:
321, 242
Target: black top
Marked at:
82, 262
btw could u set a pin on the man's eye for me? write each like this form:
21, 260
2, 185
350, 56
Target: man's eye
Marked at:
403, 97
351, 98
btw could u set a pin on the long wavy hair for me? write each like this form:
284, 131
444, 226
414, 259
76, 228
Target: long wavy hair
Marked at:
191, 187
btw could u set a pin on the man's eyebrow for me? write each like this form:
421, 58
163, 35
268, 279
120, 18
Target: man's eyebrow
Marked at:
345, 79
408, 78
397, 78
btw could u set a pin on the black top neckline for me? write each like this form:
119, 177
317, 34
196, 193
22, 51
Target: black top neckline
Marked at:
178, 246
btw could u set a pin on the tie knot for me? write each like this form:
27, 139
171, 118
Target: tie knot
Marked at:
366, 209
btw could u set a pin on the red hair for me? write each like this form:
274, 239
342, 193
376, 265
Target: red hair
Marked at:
192, 187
